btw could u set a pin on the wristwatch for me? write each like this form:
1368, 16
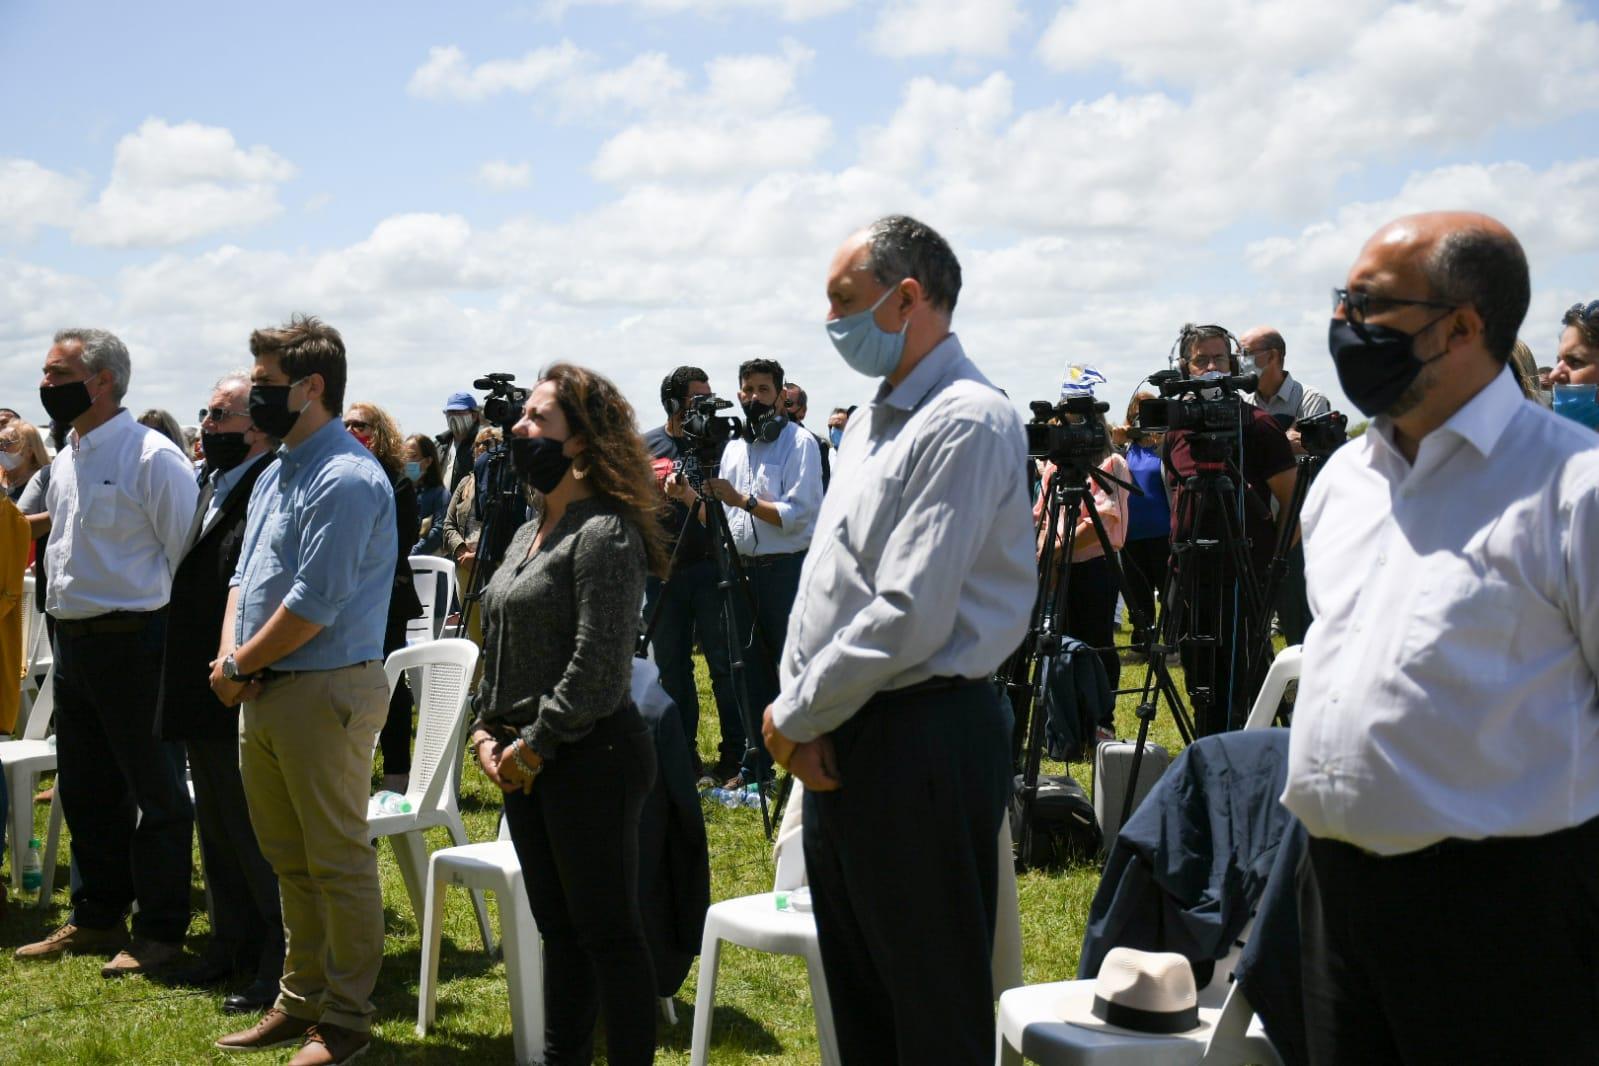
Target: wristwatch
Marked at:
749, 503
230, 669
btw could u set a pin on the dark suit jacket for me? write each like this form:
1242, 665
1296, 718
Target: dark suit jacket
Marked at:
187, 708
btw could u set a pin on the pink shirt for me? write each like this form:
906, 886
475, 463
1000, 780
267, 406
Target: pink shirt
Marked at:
1112, 508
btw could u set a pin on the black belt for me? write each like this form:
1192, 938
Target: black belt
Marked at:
923, 688
270, 674
106, 624
768, 560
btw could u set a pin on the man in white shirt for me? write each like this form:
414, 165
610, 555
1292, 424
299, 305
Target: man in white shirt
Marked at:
771, 488
1445, 749
121, 502
919, 584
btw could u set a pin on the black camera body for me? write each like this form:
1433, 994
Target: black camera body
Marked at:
503, 404
1183, 405
704, 429
1323, 434
1052, 435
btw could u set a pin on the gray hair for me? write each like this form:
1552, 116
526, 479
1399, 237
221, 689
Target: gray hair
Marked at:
899, 247
102, 350
231, 380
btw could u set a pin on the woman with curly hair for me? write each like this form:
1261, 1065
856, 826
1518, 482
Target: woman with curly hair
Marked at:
557, 729
372, 426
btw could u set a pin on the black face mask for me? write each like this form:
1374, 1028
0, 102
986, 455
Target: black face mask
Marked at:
269, 409
64, 403
1376, 364
223, 451
539, 461
764, 421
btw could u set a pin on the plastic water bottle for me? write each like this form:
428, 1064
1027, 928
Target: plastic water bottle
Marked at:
751, 797
51, 740
392, 803
32, 868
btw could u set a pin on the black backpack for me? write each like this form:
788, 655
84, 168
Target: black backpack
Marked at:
1064, 827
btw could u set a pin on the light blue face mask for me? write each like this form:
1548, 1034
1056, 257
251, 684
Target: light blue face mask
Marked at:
1578, 403
835, 435
413, 471
866, 347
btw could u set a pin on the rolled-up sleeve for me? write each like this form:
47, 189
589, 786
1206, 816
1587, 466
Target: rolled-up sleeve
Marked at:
801, 497
608, 579
953, 492
337, 518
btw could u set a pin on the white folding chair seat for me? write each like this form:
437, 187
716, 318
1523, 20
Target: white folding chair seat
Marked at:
1284, 670
36, 653
24, 760
445, 668
428, 571
491, 867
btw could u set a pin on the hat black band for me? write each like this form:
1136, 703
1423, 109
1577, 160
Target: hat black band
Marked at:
1146, 1021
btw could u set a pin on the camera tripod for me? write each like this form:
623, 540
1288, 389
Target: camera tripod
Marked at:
1026, 677
503, 511
1307, 467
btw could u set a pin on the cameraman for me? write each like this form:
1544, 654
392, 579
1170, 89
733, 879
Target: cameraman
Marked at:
688, 600
771, 486
1264, 459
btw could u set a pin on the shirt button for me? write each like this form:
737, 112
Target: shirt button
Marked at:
1382, 558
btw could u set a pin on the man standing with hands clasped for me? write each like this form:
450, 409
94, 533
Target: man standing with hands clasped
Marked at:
918, 585
302, 646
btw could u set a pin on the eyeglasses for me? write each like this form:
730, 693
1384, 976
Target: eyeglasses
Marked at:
355, 423
1256, 353
1363, 305
217, 414
9, 446
1584, 312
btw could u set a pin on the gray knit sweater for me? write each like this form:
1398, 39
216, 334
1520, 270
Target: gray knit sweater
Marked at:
558, 628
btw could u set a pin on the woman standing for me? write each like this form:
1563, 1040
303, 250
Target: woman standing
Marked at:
557, 730
22, 455
422, 467
1148, 519
372, 426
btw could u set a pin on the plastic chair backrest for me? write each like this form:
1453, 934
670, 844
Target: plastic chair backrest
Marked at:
446, 674
1284, 668
43, 709
430, 573
33, 637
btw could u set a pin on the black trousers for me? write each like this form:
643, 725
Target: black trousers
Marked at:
248, 934
690, 607
904, 877
394, 739
1482, 951
576, 836
1293, 607
773, 584
1091, 613
1144, 563
123, 800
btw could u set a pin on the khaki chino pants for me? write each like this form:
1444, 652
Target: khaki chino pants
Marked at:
305, 752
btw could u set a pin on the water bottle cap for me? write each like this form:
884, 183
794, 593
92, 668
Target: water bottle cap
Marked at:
33, 842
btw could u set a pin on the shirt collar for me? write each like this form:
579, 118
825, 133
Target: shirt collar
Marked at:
102, 434
933, 368
323, 442
1480, 422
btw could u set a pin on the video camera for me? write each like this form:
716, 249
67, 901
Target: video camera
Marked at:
1054, 436
503, 404
1206, 405
706, 431
1323, 434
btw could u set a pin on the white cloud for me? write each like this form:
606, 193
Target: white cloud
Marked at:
643, 82
939, 27
790, 10
446, 75
174, 183
503, 176
32, 196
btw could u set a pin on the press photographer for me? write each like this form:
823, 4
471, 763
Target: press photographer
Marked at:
1223, 457
686, 605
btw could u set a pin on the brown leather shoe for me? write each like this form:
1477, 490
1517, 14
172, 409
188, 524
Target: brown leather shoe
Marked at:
148, 957
275, 1029
74, 940
328, 1045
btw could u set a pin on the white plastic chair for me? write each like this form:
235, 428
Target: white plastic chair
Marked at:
1284, 669
426, 571
446, 668
36, 652
489, 867
755, 922
24, 760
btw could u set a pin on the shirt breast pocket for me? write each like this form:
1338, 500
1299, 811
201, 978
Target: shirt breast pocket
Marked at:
100, 506
278, 535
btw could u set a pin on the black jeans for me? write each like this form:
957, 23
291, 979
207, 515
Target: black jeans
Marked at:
904, 876
394, 739
1482, 951
1293, 608
691, 608
1144, 563
1091, 613
576, 836
125, 804
773, 583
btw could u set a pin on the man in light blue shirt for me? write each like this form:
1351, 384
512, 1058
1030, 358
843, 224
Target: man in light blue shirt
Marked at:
771, 489
302, 646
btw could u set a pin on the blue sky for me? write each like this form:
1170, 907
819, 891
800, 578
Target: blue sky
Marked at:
634, 184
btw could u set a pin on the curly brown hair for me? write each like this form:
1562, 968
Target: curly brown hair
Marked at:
387, 446
615, 460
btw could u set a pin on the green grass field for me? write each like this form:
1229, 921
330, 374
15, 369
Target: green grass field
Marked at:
66, 1013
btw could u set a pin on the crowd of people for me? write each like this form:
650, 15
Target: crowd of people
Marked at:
224, 606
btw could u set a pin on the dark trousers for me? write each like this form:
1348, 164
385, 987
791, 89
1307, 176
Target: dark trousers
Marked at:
1212, 609
1293, 608
126, 807
1144, 563
773, 584
903, 876
394, 740
248, 933
690, 608
1091, 612
576, 836
1466, 952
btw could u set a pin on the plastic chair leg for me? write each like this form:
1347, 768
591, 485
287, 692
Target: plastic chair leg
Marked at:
411, 855
21, 828
524, 973
1004, 1054
822, 1005
52, 840
432, 926
705, 997
459, 838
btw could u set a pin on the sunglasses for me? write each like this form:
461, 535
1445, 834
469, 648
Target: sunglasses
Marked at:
1362, 305
1587, 312
217, 414
352, 423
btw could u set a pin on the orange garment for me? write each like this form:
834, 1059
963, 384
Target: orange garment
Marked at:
14, 544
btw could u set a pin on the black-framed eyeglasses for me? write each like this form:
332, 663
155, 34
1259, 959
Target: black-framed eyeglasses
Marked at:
1362, 305
1585, 312
355, 423
217, 414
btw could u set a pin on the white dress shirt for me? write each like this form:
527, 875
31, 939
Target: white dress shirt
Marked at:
922, 564
787, 473
121, 502
1448, 685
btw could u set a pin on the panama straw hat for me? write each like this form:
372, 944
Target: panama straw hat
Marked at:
1139, 993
